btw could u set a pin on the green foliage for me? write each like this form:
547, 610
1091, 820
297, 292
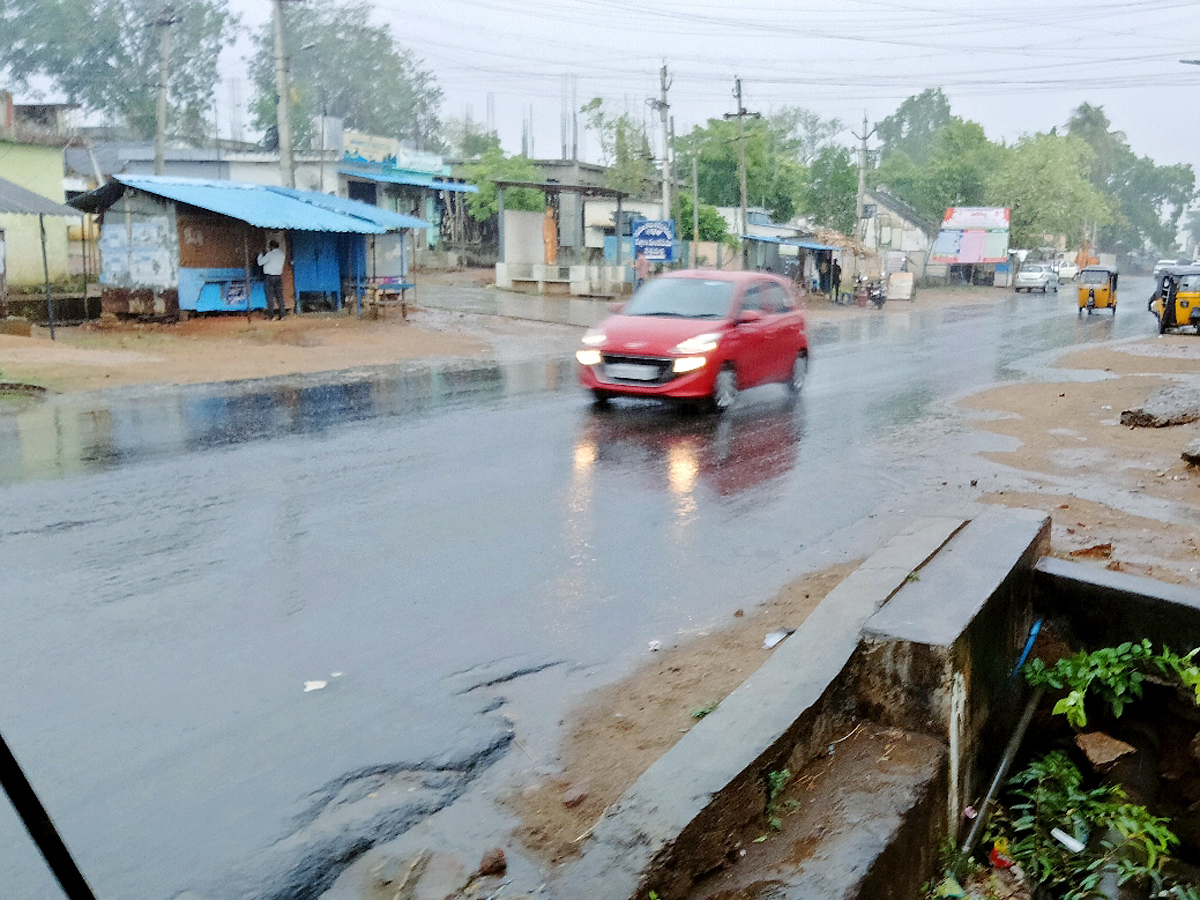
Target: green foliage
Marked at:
1050, 794
830, 194
712, 224
911, 128
101, 54
774, 176
494, 166
1114, 674
777, 783
625, 147
467, 140
345, 66
1043, 182
1149, 200
799, 134
701, 711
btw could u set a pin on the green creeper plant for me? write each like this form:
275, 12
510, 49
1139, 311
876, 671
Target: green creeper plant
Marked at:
1050, 793
1114, 674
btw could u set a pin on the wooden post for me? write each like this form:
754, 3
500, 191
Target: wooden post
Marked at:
46, 271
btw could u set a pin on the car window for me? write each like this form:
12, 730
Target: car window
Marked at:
1094, 277
1190, 283
753, 298
776, 299
689, 298
1033, 270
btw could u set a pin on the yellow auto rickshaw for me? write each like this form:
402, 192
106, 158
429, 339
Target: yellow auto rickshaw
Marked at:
1097, 289
1176, 298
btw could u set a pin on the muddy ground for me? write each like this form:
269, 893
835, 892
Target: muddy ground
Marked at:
1134, 511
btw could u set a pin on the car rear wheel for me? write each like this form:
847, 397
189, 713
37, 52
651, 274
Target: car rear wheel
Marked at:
725, 389
799, 373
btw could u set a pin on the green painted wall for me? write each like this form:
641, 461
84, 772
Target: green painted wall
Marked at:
38, 169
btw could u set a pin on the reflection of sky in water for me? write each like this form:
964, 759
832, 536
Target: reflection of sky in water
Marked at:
72, 433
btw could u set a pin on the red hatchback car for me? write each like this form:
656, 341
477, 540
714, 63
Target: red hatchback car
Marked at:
698, 335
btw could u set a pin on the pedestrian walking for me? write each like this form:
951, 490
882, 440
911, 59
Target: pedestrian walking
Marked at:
835, 281
641, 270
272, 265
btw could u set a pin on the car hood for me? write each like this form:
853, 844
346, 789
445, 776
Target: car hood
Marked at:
653, 334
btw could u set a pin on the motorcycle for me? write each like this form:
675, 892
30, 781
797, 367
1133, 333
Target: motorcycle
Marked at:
870, 292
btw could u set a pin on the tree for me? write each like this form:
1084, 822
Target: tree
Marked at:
712, 224
342, 65
494, 166
625, 148
958, 159
830, 195
1043, 181
104, 55
911, 128
468, 140
800, 133
1148, 199
773, 175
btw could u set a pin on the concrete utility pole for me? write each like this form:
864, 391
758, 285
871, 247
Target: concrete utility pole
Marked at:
862, 172
164, 23
283, 112
741, 115
662, 106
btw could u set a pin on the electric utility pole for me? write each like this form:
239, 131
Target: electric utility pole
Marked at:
741, 115
164, 22
862, 172
283, 113
662, 106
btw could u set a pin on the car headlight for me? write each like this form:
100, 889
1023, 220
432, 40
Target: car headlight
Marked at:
593, 339
689, 364
588, 357
701, 343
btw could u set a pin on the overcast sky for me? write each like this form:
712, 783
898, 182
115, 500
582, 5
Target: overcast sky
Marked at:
1017, 67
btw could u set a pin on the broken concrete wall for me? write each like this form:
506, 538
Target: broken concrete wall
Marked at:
940, 657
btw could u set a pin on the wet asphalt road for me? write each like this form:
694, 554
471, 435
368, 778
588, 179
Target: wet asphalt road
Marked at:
179, 563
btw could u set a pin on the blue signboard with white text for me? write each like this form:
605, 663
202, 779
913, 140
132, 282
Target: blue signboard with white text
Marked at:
656, 239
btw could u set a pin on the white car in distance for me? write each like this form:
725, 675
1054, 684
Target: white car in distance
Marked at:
1036, 276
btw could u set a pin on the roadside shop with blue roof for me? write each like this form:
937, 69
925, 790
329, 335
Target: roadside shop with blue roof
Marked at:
170, 247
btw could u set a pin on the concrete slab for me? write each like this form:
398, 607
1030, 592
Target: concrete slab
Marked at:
1107, 608
711, 781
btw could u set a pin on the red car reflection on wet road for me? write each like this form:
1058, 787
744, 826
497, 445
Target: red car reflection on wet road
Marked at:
698, 335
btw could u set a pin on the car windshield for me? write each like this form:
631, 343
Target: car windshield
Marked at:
1032, 270
1094, 276
685, 298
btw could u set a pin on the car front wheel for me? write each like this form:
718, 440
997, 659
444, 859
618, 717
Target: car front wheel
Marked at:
725, 389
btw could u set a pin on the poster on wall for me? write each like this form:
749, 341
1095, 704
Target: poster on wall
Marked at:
972, 234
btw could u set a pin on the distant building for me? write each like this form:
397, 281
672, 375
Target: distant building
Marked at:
901, 236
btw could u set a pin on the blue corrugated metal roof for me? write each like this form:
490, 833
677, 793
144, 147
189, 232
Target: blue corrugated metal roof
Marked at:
383, 217
256, 204
411, 178
790, 242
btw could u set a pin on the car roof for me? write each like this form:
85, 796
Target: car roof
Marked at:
735, 275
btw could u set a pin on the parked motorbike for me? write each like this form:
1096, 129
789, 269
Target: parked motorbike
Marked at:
877, 294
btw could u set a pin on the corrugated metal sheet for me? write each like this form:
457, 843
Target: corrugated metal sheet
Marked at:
789, 242
256, 204
355, 208
16, 199
411, 179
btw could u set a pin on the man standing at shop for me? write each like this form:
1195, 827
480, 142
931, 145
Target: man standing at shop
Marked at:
835, 281
272, 266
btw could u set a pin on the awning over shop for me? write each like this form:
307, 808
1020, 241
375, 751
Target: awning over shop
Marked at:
21, 201
387, 218
260, 205
789, 242
413, 179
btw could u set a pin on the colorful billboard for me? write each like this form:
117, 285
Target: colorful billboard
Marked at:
972, 234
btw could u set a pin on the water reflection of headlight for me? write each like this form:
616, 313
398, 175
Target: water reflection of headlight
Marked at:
585, 456
682, 468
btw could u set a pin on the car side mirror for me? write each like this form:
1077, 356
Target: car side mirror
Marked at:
749, 315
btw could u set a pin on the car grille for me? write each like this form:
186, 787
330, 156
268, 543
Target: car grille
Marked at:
612, 373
